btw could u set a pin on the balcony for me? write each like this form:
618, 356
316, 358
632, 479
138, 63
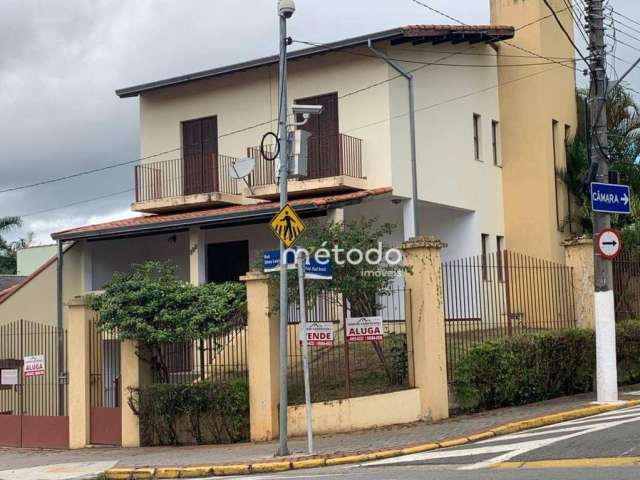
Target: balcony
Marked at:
192, 182
334, 166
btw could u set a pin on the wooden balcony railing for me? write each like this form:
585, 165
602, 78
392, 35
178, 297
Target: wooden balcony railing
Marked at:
184, 176
328, 157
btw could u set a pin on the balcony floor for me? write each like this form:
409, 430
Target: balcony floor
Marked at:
306, 188
191, 202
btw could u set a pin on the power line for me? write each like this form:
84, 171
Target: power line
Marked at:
435, 63
566, 33
81, 202
418, 2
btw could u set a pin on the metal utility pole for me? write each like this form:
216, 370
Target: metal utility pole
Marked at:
305, 352
606, 370
286, 8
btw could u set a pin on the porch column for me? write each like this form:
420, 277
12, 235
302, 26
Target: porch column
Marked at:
407, 219
78, 389
87, 267
263, 347
579, 255
197, 256
422, 256
129, 378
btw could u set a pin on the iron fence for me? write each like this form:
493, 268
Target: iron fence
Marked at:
180, 176
344, 369
626, 285
502, 294
345, 159
43, 393
216, 358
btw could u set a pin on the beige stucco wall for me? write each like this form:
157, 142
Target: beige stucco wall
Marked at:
528, 108
357, 413
251, 97
31, 258
36, 301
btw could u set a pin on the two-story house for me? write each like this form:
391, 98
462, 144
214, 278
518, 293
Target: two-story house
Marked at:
491, 120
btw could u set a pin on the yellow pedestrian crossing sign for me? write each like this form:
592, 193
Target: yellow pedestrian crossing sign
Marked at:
287, 226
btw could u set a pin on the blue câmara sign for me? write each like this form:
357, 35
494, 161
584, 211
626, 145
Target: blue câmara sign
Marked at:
610, 198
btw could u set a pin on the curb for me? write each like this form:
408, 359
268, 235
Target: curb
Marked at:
332, 460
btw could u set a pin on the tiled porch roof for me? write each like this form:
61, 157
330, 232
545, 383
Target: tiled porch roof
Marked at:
160, 222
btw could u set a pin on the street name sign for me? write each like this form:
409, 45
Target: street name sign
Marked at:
364, 329
609, 243
610, 198
313, 269
287, 225
271, 260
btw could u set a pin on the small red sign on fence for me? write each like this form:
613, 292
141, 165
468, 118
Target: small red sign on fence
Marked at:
364, 329
34, 365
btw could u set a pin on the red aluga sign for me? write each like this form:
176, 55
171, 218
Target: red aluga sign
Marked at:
364, 329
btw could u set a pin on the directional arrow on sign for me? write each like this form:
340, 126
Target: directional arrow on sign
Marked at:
625, 199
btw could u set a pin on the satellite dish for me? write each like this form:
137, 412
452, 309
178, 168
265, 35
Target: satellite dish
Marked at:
242, 168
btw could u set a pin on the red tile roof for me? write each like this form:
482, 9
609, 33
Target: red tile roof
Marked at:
499, 31
212, 214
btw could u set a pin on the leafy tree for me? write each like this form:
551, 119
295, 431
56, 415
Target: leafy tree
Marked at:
151, 305
623, 116
361, 283
7, 252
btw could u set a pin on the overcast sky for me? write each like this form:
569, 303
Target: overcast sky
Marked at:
61, 60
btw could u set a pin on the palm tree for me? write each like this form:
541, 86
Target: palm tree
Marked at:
623, 116
7, 253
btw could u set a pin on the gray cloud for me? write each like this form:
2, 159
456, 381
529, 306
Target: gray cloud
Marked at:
61, 61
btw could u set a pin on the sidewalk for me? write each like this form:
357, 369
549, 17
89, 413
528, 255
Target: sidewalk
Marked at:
383, 438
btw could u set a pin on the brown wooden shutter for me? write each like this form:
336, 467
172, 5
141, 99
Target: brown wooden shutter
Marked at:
324, 145
200, 150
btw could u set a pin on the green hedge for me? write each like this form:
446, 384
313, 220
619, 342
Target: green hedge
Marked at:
202, 413
539, 366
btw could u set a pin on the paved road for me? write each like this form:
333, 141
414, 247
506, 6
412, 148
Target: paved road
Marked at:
605, 446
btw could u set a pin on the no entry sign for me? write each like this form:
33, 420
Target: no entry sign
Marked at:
609, 243
364, 329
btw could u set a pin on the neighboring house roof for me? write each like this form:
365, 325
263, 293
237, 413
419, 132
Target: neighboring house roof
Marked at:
239, 214
9, 281
4, 295
416, 34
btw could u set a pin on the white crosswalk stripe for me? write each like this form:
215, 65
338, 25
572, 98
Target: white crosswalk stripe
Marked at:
510, 446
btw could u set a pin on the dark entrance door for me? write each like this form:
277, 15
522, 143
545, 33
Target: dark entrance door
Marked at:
324, 145
200, 147
227, 262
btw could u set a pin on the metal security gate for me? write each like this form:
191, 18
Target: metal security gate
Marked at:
33, 387
105, 394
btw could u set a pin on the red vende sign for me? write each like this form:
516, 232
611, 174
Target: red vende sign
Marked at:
364, 329
319, 334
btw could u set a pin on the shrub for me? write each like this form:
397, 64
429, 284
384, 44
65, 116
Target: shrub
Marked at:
539, 366
202, 413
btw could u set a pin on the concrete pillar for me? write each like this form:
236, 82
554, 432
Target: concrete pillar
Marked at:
129, 378
78, 364
335, 215
422, 256
407, 219
263, 347
197, 256
87, 267
579, 255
